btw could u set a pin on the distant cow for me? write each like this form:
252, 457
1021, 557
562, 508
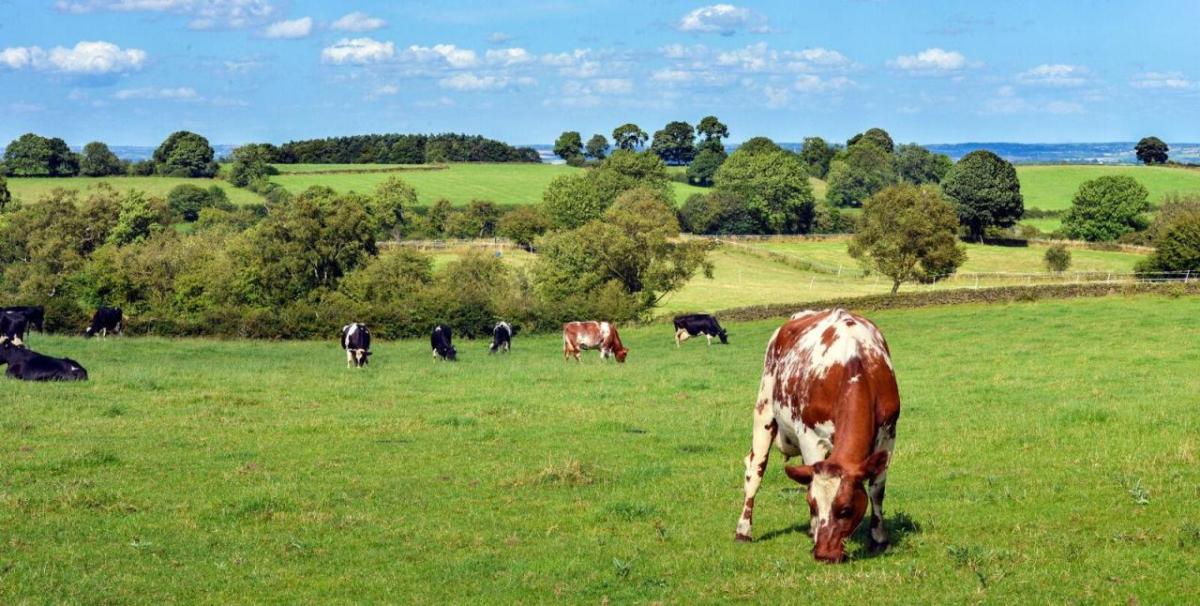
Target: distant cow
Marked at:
698, 324
35, 315
440, 340
578, 336
12, 327
829, 395
104, 321
502, 336
28, 365
356, 340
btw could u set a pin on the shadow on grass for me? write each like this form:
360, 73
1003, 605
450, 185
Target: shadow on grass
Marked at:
899, 527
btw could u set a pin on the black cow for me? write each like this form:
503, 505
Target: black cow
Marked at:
698, 324
28, 365
502, 336
356, 340
12, 327
35, 315
443, 349
105, 320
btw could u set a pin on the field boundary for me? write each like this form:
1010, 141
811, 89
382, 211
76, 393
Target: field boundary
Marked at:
959, 296
365, 171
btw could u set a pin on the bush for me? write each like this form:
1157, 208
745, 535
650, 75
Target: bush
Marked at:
523, 225
186, 201
1105, 208
1177, 247
1057, 258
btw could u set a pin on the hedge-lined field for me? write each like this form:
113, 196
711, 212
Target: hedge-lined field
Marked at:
30, 189
1040, 458
1052, 187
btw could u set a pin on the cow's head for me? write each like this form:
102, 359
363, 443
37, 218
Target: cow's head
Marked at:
450, 353
74, 371
620, 353
360, 357
837, 501
724, 337
89, 331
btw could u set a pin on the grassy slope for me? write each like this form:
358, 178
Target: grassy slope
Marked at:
30, 189
1052, 187
203, 471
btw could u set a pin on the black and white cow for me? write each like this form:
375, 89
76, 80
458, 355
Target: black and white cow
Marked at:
104, 321
502, 336
28, 365
12, 327
356, 340
443, 349
35, 315
698, 324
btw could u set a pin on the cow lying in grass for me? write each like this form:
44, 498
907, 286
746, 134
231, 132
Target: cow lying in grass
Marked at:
28, 365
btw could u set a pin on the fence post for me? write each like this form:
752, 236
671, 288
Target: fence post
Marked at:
812, 282
839, 269
976, 281
1187, 276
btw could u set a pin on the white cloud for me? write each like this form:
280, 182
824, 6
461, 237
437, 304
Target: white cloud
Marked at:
499, 38
85, 58
384, 90
761, 58
439, 102
182, 93
775, 97
810, 83
672, 75
358, 50
612, 86
1063, 107
1007, 101
357, 21
509, 56
1054, 75
1164, 80
204, 14
468, 81
453, 56
930, 60
294, 28
724, 19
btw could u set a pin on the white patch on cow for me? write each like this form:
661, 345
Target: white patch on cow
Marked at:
803, 314
879, 535
852, 338
824, 489
815, 442
605, 329
855, 378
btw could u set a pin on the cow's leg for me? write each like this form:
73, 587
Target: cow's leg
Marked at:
709, 337
680, 336
879, 538
349, 358
765, 429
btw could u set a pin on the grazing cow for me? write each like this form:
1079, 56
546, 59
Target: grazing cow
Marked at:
356, 340
105, 320
502, 336
12, 327
28, 365
35, 315
578, 336
698, 324
828, 394
443, 349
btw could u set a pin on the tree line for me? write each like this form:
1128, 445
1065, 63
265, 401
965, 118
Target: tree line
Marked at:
182, 154
400, 149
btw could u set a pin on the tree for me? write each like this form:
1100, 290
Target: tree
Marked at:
185, 154
390, 204
1177, 248
713, 131
482, 216
758, 145
5, 196
917, 165
99, 161
1107, 207
569, 146
985, 191
250, 164
878, 136
31, 155
705, 166
135, 222
675, 143
597, 147
572, 200
718, 212
1057, 258
816, 155
523, 225
907, 233
186, 201
858, 173
774, 185
629, 136
1151, 150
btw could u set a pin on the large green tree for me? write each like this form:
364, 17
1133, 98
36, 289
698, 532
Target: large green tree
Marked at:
99, 161
391, 203
629, 136
704, 167
1151, 150
917, 165
572, 200
1105, 208
773, 184
986, 192
597, 147
569, 146
250, 163
185, 154
816, 155
523, 225
878, 136
675, 143
712, 132
908, 233
1177, 247
5, 195
859, 172
32, 155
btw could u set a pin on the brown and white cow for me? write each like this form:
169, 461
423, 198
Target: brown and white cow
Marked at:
829, 395
578, 336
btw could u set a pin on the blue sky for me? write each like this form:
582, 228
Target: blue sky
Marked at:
132, 71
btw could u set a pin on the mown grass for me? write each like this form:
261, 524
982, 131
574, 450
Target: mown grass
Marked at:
30, 189
1052, 187
1047, 453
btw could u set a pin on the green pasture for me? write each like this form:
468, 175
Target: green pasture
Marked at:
1051, 187
30, 189
1040, 458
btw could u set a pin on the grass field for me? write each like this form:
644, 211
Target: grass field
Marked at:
1040, 458
30, 189
1052, 187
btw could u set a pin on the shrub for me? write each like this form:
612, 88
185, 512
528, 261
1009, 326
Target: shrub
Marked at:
1107, 207
1177, 247
523, 225
1057, 258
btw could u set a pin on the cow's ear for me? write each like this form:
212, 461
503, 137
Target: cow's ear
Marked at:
800, 473
875, 465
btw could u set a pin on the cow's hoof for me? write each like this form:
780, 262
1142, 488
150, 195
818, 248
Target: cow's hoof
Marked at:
742, 538
876, 547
